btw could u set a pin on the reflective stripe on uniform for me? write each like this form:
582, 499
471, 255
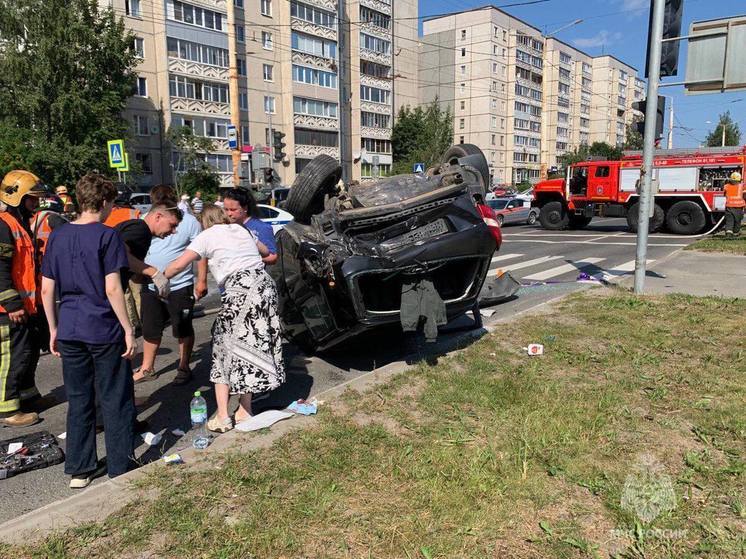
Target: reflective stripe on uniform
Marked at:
8, 294
7, 250
6, 405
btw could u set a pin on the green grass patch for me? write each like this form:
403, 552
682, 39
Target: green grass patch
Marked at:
490, 453
728, 245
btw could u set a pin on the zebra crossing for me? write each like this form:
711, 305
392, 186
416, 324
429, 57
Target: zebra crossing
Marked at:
557, 267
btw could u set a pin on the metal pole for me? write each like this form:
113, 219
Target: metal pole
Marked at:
651, 107
233, 88
723, 126
670, 125
345, 93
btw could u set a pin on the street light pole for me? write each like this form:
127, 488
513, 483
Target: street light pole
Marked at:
646, 195
235, 108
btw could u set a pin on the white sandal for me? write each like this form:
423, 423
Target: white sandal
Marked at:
217, 425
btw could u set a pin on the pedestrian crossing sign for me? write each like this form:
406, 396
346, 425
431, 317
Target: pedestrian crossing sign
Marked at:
419, 167
126, 167
117, 155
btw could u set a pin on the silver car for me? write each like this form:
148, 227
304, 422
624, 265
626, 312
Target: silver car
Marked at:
513, 210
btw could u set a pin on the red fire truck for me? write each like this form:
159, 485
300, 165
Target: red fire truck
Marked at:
688, 186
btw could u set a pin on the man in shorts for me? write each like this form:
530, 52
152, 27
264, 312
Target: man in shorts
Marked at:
179, 304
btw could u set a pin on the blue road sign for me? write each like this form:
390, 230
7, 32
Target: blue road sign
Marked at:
419, 168
116, 153
232, 137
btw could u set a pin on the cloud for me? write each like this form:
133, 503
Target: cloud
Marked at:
603, 37
635, 4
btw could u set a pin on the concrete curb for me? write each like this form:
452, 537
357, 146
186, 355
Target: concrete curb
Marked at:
99, 501
629, 280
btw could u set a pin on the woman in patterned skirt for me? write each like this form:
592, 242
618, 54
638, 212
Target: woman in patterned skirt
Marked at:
246, 346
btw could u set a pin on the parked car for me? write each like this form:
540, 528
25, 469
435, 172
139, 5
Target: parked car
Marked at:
140, 201
348, 255
275, 216
513, 210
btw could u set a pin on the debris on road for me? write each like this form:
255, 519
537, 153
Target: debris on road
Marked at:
262, 420
498, 289
62, 436
304, 407
173, 459
151, 439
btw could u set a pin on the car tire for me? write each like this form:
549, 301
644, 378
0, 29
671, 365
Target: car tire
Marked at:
656, 222
579, 222
457, 151
531, 218
315, 181
686, 218
500, 219
553, 216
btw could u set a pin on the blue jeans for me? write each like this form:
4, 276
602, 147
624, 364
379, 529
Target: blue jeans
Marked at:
91, 370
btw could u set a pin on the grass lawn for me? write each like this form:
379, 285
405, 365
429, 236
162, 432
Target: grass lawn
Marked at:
730, 245
489, 453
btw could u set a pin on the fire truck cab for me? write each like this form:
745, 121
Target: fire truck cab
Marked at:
688, 186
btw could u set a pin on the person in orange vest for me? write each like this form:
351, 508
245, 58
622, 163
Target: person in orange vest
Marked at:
120, 214
68, 204
19, 347
734, 204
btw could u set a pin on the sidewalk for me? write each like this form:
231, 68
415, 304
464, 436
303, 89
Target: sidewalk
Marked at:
696, 273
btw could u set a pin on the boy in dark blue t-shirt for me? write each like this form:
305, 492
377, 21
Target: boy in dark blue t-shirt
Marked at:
91, 332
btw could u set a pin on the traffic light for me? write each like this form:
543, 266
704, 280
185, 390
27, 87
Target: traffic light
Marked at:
671, 28
278, 145
659, 115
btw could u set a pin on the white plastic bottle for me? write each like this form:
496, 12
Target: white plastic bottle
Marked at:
198, 413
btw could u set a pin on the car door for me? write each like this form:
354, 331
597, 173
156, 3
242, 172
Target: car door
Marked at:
516, 213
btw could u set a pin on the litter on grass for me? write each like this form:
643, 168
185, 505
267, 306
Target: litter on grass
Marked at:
304, 407
173, 459
534, 349
151, 439
62, 436
262, 420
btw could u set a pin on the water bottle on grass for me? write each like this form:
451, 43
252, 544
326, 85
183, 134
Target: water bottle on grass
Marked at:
198, 413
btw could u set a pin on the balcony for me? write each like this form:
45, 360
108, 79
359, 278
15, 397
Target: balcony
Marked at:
379, 133
309, 28
372, 29
377, 57
315, 61
377, 5
318, 122
328, 5
181, 104
372, 107
309, 152
380, 83
189, 68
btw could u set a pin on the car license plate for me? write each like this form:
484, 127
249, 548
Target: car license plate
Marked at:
416, 235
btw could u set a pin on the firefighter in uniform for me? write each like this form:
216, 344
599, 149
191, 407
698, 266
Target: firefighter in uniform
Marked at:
120, 214
734, 204
19, 347
68, 206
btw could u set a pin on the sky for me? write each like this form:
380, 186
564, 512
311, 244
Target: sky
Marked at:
620, 28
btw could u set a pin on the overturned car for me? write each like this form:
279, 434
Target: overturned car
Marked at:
349, 256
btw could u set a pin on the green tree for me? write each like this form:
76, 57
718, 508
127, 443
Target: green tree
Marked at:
66, 70
732, 132
191, 171
583, 152
421, 135
634, 138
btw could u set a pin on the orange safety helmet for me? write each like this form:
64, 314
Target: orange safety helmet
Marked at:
17, 184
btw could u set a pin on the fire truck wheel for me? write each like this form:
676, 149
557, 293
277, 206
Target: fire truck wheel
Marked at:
553, 216
656, 222
577, 222
685, 218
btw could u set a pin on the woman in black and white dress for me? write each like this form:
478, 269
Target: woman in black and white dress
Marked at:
246, 345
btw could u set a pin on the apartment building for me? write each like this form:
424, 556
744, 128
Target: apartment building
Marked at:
288, 62
523, 98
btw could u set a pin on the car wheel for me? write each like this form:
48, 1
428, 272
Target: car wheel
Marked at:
656, 222
316, 180
500, 220
454, 153
531, 218
553, 216
685, 218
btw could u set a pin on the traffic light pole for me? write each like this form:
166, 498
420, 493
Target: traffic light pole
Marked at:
345, 95
646, 195
235, 108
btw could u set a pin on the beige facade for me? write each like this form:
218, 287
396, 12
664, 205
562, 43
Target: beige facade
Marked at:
522, 98
288, 60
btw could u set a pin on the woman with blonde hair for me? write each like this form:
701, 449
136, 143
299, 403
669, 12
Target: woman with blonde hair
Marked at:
246, 347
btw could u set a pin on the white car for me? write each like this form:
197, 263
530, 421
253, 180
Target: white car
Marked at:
274, 216
140, 201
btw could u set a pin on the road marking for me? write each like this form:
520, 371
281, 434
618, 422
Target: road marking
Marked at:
562, 234
504, 257
526, 264
626, 268
574, 266
603, 244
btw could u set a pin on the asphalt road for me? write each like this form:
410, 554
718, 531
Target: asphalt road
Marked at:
546, 263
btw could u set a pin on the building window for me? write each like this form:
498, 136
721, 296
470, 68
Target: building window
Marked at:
138, 46
245, 137
494, 122
216, 129
375, 44
502, 141
375, 120
314, 76
313, 45
238, 3
141, 125
494, 67
316, 138
266, 7
493, 139
463, 70
375, 70
375, 18
142, 87
496, 32
267, 40
269, 104
132, 7
268, 72
460, 139
463, 34
240, 33
463, 105
461, 123
180, 86
243, 101
565, 58
193, 15
145, 162
463, 52
241, 66
493, 103
462, 88
374, 94
186, 50
372, 145
505, 35
314, 107
313, 14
